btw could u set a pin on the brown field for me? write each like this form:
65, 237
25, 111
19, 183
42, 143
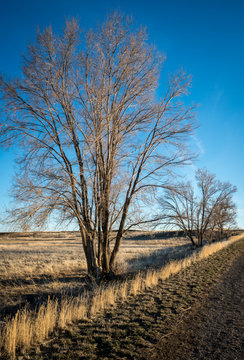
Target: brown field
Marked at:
37, 265
43, 276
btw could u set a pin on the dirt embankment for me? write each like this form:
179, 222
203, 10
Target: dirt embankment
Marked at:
214, 328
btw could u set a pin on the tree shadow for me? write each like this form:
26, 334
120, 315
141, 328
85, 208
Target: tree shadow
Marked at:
160, 257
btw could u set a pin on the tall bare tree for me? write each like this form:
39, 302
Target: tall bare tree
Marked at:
91, 134
200, 215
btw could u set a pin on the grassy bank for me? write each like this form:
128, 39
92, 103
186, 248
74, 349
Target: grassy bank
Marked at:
115, 321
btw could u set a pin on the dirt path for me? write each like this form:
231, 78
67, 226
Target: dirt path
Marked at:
213, 329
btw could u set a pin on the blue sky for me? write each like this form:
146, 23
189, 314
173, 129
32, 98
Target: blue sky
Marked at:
203, 37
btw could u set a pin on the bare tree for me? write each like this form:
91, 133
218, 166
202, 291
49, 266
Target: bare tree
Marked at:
199, 215
214, 196
178, 207
223, 219
92, 137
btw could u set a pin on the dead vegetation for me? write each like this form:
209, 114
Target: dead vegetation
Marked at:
31, 327
51, 254
37, 265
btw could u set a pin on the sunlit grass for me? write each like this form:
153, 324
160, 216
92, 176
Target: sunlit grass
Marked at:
32, 257
27, 328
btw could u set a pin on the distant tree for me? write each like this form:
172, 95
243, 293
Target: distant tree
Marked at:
178, 208
202, 215
214, 196
223, 220
92, 137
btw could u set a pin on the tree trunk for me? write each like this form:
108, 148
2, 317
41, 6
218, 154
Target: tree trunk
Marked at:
190, 236
105, 259
115, 251
200, 239
99, 248
89, 251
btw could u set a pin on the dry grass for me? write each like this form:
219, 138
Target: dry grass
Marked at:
35, 266
51, 255
27, 327
31, 327
31, 257
72, 310
137, 285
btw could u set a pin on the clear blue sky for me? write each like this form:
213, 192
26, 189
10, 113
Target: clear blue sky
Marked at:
206, 38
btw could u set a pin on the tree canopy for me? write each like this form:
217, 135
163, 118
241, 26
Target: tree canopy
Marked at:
92, 133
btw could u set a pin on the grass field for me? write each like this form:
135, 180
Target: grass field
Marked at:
44, 279
35, 266
40, 254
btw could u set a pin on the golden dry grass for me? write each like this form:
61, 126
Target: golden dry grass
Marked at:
51, 255
35, 266
26, 327
31, 327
